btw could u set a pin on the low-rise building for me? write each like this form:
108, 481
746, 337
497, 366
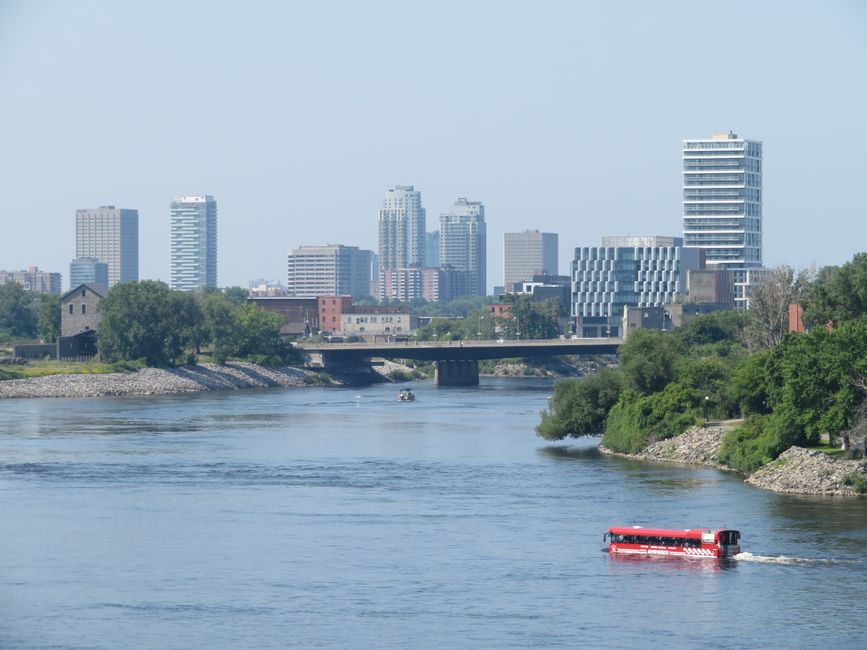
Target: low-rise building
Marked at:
379, 323
300, 315
331, 310
79, 321
34, 280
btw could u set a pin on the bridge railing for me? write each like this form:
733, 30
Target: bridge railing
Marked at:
461, 343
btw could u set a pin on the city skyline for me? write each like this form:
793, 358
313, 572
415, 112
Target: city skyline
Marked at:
548, 141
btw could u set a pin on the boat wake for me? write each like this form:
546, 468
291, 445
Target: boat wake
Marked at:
784, 559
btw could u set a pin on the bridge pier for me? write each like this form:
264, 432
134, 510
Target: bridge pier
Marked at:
457, 373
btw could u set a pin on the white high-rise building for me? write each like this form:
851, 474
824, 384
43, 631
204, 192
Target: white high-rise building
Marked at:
401, 229
110, 235
193, 243
463, 242
722, 205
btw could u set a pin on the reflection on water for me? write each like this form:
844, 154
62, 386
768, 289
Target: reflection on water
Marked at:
634, 564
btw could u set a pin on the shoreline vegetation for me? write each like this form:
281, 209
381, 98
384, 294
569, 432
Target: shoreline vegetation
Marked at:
796, 471
800, 397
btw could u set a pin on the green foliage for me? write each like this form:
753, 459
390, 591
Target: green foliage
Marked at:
647, 360
748, 384
637, 420
839, 293
47, 310
9, 374
721, 326
259, 334
237, 296
139, 320
221, 325
579, 407
16, 314
398, 375
813, 381
126, 366
857, 481
529, 320
751, 445
709, 377
443, 329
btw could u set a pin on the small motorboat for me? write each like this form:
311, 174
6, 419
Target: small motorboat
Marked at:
405, 395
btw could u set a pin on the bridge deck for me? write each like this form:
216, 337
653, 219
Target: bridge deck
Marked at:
461, 350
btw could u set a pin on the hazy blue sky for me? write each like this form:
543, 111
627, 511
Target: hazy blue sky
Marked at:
562, 116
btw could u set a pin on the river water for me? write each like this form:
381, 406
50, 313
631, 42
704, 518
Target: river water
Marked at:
341, 518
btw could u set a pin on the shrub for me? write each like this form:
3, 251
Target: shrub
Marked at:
636, 421
579, 407
857, 480
752, 445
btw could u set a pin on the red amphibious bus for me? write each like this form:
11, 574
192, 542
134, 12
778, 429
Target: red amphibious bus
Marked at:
692, 542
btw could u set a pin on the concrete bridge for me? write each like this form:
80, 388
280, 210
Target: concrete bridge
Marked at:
457, 362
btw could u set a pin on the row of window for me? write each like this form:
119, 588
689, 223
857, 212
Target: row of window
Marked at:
653, 540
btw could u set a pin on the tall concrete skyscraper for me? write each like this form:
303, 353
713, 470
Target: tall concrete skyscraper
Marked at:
463, 242
528, 253
722, 205
401, 229
193, 243
110, 235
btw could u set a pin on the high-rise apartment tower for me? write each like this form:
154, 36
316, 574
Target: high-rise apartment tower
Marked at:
110, 235
722, 205
193, 243
463, 242
401, 229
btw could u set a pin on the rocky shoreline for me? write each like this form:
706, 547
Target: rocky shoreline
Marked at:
164, 381
796, 471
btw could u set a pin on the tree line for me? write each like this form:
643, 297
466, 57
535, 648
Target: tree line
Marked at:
526, 320
791, 387
147, 321
24, 315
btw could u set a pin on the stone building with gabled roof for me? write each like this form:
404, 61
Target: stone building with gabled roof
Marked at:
79, 321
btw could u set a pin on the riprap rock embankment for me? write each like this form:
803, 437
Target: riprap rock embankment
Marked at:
160, 381
806, 471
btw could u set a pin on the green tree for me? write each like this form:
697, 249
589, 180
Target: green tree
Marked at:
140, 321
188, 323
647, 359
813, 382
580, 407
442, 329
748, 384
711, 328
259, 334
17, 317
222, 326
47, 309
528, 320
237, 296
839, 293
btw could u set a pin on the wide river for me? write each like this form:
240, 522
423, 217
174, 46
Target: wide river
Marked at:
341, 518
